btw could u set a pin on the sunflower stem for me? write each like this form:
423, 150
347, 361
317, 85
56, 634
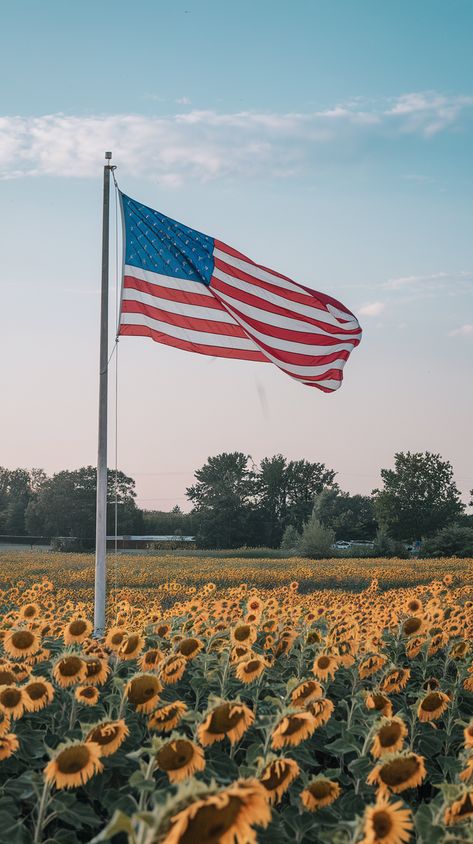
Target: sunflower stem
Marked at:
40, 823
72, 716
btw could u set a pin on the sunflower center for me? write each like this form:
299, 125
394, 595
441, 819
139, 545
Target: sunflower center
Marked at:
224, 718
389, 735
93, 667
175, 755
210, 823
7, 677
142, 689
382, 824
131, 644
323, 662
22, 639
36, 690
88, 692
320, 789
412, 625
241, 633
467, 807
104, 734
432, 702
252, 665
29, 611
70, 666
379, 701
78, 627
188, 646
399, 770
275, 779
73, 759
10, 697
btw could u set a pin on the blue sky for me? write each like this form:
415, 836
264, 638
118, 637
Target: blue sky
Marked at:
331, 141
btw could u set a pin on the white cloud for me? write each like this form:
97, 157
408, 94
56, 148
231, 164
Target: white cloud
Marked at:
204, 144
372, 309
464, 331
183, 101
430, 281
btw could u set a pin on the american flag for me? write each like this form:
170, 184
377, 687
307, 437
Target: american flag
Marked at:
188, 290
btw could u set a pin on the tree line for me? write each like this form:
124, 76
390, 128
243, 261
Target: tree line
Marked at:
294, 504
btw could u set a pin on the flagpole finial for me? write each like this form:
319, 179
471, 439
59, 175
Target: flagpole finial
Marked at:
108, 156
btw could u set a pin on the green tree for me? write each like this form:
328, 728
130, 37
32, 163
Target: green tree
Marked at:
223, 499
419, 496
65, 505
17, 488
350, 516
291, 540
451, 541
171, 523
316, 540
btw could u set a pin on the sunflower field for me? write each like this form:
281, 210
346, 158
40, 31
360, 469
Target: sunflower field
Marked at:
231, 711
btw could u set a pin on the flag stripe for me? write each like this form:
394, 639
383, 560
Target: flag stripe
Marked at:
136, 330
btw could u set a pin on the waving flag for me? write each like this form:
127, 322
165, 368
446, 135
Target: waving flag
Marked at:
188, 290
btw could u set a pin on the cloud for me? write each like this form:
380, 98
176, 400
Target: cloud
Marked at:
183, 101
464, 331
372, 309
438, 281
203, 144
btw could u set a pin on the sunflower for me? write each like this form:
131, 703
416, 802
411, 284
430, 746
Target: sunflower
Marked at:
180, 759
97, 669
371, 665
321, 710
21, 643
389, 737
166, 717
468, 734
414, 606
386, 823
325, 666
114, 638
432, 706
239, 652
69, 670
398, 772
88, 695
7, 677
40, 692
243, 634
319, 793
150, 660
143, 691
76, 631
189, 648
131, 646
396, 680
226, 817
379, 703
229, 719
250, 669
277, 776
306, 692
172, 668
74, 764
4, 722
292, 729
109, 735
13, 701
8, 745
459, 650
20, 670
29, 611
460, 810
467, 773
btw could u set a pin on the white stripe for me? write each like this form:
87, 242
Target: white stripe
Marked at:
285, 322
202, 338
193, 311
183, 284
279, 301
258, 272
330, 383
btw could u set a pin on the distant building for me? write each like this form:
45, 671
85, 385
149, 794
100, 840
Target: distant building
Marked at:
153, 543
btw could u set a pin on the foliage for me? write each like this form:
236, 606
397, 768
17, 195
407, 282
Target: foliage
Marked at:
452, 541
172, 523
17, 488
371, 646
349, 516
291, 539
316, 539
65, 505
419, 496
385, 546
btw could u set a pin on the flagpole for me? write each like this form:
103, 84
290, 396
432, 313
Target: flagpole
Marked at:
101, 501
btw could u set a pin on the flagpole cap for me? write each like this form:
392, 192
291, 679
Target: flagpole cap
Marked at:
108, 156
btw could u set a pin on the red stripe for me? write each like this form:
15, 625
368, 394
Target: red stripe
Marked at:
167, 340
200, 299
290, 295
223, 247
193, 323
255, 301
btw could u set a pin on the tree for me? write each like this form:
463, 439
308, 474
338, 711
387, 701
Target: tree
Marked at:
419, 496
451, 541
17, 488
223, 500
65, 505
350, 516
172, 523
291, 540
316, 540
305, 481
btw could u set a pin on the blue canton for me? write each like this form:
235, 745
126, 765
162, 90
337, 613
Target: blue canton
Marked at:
157, 243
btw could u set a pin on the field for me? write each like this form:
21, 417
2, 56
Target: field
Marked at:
236, 700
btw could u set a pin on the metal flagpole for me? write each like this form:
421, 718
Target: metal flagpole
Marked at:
101, 506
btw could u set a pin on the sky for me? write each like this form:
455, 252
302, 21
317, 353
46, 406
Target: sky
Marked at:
330, 141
